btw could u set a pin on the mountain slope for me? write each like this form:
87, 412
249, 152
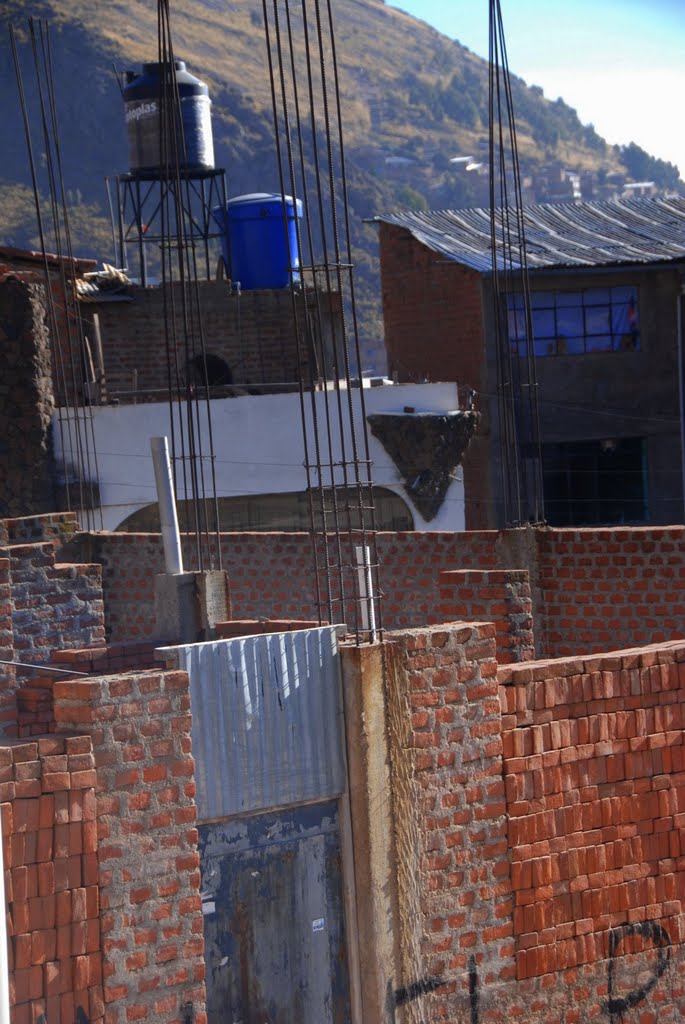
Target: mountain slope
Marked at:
412, 100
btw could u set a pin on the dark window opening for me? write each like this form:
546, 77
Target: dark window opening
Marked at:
218, 371
588, 483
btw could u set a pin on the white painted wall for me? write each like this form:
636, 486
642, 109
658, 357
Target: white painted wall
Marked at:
257, 442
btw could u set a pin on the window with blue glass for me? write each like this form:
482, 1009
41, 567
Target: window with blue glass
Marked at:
577, 323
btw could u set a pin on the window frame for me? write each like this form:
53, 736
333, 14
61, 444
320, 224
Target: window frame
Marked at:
620, 305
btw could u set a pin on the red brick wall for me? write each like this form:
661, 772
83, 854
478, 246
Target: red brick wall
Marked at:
7, 672
595, 779
271, 575
539, 831
611, 588
51, 881
148, 861
434, 330
501, 596
255, 334
591, 590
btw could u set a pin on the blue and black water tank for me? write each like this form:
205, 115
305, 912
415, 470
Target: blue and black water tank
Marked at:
259, 239
142, 103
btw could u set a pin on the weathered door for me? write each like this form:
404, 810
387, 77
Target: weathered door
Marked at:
274, 929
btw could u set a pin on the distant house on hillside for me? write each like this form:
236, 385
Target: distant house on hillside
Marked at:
607, 287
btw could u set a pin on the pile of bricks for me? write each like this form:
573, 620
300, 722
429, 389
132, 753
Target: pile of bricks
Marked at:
595, 781
151, 913
48, 806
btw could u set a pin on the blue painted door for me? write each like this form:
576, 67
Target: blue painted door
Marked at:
273, 912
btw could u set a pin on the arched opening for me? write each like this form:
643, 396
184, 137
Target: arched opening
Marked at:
273, 512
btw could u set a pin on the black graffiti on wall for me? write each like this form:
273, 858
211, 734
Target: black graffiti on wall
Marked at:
81, 1017
473, 990
402, 996
617, 1005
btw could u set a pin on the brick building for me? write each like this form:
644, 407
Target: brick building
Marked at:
503, 837
606, 281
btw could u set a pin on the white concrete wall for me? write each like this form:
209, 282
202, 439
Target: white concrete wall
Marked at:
258, 445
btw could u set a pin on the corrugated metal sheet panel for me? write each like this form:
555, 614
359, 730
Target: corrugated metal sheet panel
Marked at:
640, 230
267, 720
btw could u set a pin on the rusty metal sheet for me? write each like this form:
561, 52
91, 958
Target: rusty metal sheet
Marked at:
273, 913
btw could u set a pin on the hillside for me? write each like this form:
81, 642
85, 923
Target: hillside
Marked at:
413, 101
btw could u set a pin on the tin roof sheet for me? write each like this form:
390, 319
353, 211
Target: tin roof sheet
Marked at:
589, 234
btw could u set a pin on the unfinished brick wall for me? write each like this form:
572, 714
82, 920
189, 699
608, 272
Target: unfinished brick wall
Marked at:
538, 832
501, 596
47, 800
595, 777
590, 590
255, 333
58, 527
450, 813
609, 588
148, 861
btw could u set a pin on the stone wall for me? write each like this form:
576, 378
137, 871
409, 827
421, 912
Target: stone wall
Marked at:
45, 606
26, 400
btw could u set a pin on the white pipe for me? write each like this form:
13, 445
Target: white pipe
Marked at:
366, 595
171, 538
4, 967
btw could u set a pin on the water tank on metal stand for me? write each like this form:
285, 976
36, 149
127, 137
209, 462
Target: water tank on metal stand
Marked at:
259, 242
142, 102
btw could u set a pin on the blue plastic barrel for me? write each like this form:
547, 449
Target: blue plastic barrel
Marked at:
259, 246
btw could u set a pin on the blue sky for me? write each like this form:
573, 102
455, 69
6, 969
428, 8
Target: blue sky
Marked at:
620, 63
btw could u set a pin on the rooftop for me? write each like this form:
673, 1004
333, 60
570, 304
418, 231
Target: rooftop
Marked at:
559, 235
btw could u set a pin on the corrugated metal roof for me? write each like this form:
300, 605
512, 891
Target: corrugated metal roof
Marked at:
592, 234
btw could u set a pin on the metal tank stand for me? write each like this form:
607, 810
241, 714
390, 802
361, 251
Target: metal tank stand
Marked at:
143, 199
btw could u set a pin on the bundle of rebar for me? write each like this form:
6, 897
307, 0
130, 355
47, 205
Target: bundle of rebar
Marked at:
308, 127
70, 349
519, 421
